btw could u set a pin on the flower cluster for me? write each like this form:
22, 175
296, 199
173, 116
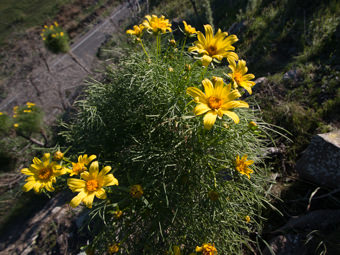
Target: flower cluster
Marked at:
44, 172
55, 38
214, 97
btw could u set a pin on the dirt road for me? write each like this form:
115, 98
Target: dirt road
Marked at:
53, 84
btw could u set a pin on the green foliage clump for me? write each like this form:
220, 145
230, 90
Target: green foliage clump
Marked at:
5, 124
55, 39
140, 121
28, 119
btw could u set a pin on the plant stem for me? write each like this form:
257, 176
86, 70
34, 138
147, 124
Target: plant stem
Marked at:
144, 49
184, 42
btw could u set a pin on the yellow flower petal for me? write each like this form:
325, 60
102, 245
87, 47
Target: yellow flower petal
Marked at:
101, 194
209, 119
201, 108
78, 199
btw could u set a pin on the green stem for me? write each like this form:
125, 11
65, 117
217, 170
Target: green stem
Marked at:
185, 40
204, 71
144, 49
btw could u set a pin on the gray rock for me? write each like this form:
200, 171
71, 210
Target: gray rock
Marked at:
289, 244
291, 75
320, 162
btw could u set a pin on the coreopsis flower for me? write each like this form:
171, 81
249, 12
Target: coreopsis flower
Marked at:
176, 250
189, 30
42, 174
215, 47
241, 165
113, 249
118, 214
80, 166
156, 25
136, 31
239, 76
15, 125
136, 191
217, 101
92, 185
58, 155
30, 105
207, 249
173, 42
247, 219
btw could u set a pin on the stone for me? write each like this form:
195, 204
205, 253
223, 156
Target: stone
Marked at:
320, 162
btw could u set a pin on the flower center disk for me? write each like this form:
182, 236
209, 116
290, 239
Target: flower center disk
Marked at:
214, 102
92, 185
45, 173
238, 77
212, 50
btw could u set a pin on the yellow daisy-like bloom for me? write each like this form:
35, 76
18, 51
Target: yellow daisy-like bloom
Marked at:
216, 46
58, 155
217, 100
189, 30
61, 33
113, 249
15, 125
91, 185
239, 76
177, 250
137, 30
80, 166
118, 214
241, 165
136, 191
156, 25
207, 249
42, 174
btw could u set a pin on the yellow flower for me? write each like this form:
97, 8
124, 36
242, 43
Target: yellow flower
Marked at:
61, 33
51, 27
27, 111
213, 195
177, 250
247, 218
113, 249
92, 185
136, 191
118, 214
15, 125
189, 30
15, 109
173, 42
53, 35
14, 116
137, 30
1, 113
42, 174
216, 46
241, 165
170, 69
207, 249
58, 155
155, 24
239, 76
45, 26
56, 23
80, 166
217, 100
